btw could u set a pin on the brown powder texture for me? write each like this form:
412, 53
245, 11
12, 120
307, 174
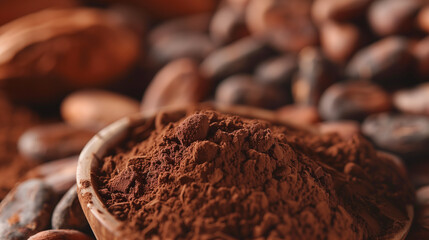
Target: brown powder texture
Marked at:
13, 122
209, 175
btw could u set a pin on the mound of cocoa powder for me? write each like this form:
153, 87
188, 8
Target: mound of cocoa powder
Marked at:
13, 122
209, 175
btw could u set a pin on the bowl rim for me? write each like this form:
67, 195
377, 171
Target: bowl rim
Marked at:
94, 209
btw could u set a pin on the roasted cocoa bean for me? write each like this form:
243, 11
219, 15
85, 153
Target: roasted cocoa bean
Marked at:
26, 210
60, 235
339, 10
414, 100
227, 25
68, 213
423, 19
243, 90
340, 41
238, 57
277, 71
388, 17
299, 115
178, 84
315, 74
405, 135
94, 109
53, 141
387, 62
353, 100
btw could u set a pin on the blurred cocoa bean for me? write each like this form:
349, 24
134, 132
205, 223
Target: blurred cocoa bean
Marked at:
388, 17
405, 135
387, 62
243, 90
45, 54
68, 213
420, 51
60, 235
53, 141
26, 210
339, 10
298, 115
227, 25
277, 71
423, 19
179, 83
60, 175
414, 100
315, 74
95, 109
353, 100
340, 41
239, 57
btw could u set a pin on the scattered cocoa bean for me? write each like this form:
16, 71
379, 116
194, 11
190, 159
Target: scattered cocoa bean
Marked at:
53, 141
315, 74
238, 57
299, 115
387, 62
46, 54
405, 135
420, 52
60, 235
339, 10
340, 41
277, 71
353, 100
227, 25
68, 213
178, 83
26, 210
414, 100
423, 19
60, 175
94, 109
346, 128
244, 90
388, 17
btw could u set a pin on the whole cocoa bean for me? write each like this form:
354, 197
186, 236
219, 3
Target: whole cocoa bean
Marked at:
315, 74
353, 100
26, 210
423, 19
405, 135
238, 57
180, 45
420, 52
277, 71
60, 235
287, 23
388, 17
339, 10
387, 62
60, 175
227, 25
339, 41
68, 213
48, 53
298, 115
13, 9
415, 100
178, 84
53, 141
346, 129
94, 109
243, 90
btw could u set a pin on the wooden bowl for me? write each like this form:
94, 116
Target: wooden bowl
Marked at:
103, 224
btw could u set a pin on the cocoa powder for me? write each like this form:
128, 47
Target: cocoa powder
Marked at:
209, 175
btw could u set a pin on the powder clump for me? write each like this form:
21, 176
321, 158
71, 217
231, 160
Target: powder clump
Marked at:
211, 175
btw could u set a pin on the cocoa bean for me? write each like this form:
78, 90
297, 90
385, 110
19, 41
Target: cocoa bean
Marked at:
53, 141
26, 210
353, 100
299, 115
414, 100
94, 109
243, 90
405, 135
339, 10
227, 25
420, 52
60, 235
277, 71
68, 213
423, 19
178, 84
